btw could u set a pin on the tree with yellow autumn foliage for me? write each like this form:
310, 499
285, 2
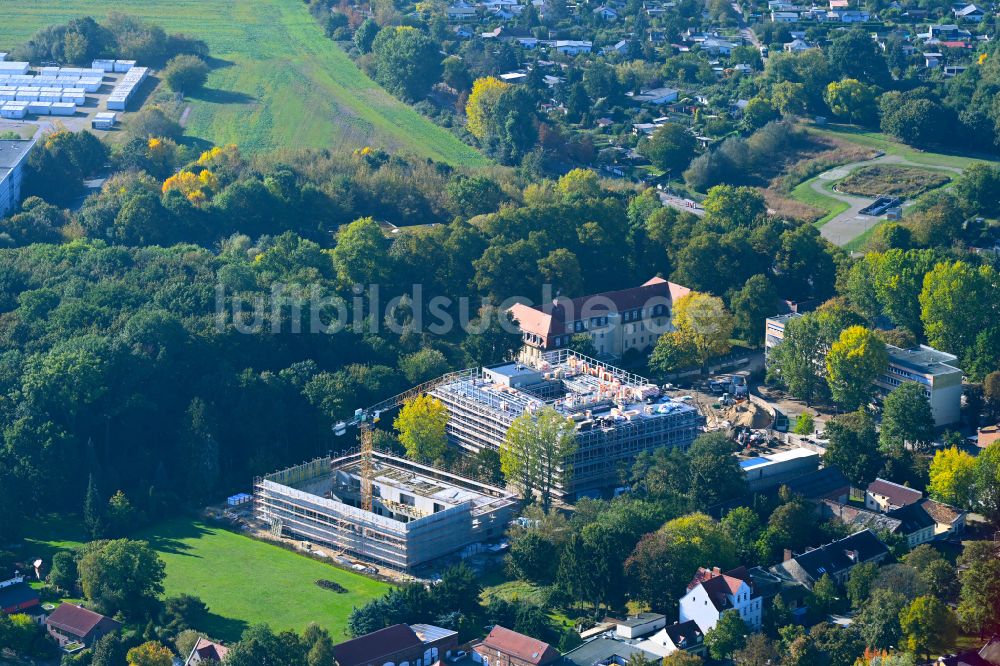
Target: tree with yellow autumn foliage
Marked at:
482, 102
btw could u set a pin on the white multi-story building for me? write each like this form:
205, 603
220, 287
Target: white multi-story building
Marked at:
13, 155
712, 592
932, 369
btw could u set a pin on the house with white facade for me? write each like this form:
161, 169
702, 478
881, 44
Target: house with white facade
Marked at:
712, 592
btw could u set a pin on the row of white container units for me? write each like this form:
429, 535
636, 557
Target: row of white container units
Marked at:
122, 94
14, 67
72, 71
18, 110
90, 85
107, 65
11, 94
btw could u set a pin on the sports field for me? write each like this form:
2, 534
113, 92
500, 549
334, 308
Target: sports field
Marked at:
242, 581
279, 83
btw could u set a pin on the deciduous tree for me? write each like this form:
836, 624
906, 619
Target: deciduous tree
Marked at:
421, 425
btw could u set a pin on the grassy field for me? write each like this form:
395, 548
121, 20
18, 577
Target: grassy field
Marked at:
881, 142
806, 194
243, 581
279, 83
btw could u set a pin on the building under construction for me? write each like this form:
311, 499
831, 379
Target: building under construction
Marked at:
618, 414
418, 513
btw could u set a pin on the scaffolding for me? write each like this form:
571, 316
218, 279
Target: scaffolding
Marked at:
419, 513
617, 414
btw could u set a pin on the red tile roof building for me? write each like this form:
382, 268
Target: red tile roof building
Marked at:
616, 321
503, 647
70, 623
887, 496
206, 652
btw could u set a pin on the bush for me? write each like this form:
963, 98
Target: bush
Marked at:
185, 73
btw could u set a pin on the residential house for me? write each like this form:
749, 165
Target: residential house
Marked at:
74, 624
503, 647
206, 652
916, 524
969, 14
946, 32
514, 77
796, 46
460, 11
16, 596
616, 321
886, 496
605, 650
655, 96
13, 157
621, 48
686, 636
712, 592
932, 59
784, 17
572, 47
410, 645
606, 13
716, 45
848, 16
640, 625
948, 520
836, 559
853, 516
839, 4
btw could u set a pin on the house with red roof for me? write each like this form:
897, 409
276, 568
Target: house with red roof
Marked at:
616, 321
885, 496
712, 592
206, 652
503, 647
74, 624
400, 644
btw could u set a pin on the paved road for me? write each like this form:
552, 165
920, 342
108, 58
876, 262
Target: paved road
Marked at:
745, 31
680, 203
849, 224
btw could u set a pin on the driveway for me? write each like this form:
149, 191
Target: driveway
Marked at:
850, 224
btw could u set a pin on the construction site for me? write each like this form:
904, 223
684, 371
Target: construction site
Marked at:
617, 414
380, 508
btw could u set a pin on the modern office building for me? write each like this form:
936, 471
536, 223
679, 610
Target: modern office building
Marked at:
932, 369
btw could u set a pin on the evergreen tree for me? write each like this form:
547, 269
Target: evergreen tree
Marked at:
93, 510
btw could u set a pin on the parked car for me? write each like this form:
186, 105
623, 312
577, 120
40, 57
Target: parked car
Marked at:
457, 655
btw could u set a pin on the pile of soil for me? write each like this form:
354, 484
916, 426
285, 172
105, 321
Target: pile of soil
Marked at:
748, 415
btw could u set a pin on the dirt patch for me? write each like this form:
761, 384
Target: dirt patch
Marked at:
789, 208
891, 180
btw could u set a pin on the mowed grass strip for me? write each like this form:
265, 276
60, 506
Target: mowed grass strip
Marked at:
245, 581
278, 82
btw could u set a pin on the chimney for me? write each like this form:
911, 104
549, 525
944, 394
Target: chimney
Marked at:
852, 555
716, 571
788, 555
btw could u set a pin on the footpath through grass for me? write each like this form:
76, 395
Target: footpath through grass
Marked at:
243, 581
278, 82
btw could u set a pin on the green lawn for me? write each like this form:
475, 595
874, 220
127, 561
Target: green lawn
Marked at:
242, 580
880, 141
279, 83
806, 194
